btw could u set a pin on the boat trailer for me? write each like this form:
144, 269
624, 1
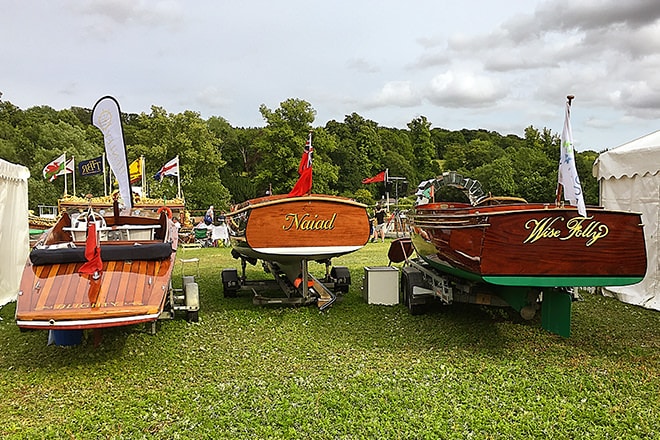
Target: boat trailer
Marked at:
421, 284
299, 286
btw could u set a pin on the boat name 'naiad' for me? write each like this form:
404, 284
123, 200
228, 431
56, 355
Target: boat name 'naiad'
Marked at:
305, 223
578, 227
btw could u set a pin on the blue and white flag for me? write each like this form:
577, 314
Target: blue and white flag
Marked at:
171, 168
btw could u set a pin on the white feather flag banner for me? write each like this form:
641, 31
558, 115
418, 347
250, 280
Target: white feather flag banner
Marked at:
106, 117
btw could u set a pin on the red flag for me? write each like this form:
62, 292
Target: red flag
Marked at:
92, 251
304, 184
380, 177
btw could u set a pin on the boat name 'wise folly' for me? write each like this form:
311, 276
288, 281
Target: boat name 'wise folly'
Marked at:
305, 223
546, 228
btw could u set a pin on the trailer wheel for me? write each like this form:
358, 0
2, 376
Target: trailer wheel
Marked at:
192, 316
410, 279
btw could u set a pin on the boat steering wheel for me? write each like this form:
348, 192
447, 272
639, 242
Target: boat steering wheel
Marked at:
96, 217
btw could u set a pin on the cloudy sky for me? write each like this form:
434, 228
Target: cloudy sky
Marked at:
496, 65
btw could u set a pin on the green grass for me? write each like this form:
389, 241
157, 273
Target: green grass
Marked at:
355, 371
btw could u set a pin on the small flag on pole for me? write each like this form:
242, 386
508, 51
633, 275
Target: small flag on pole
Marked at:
135, 171
94, 265
171, 168
304, 184
380, 177
568, 177
55, 168
91, 167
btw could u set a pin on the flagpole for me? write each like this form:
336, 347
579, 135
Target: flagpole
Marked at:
65, 179
73, 171
559, 186
105, 182
144, 187
178, 176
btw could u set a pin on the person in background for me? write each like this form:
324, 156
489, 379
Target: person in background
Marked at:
380, 223
208, 217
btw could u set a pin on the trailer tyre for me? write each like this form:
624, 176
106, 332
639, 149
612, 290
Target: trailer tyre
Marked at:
410, 279
192, 316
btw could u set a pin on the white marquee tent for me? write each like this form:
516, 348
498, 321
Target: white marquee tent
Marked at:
14, 233
629, 177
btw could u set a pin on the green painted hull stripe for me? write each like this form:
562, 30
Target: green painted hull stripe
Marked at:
538, 281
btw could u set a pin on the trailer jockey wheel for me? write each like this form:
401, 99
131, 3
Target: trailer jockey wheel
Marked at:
230, 283
341, 277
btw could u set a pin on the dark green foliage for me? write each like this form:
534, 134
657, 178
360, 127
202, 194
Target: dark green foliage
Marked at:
221, 164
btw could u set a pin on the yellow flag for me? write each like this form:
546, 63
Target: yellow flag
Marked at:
135, 171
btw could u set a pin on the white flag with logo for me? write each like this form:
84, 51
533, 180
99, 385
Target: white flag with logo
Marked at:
106, 117
568, 176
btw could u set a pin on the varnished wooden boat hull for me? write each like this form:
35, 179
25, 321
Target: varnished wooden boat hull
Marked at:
287, 229
58, 297
132, 287
532, 245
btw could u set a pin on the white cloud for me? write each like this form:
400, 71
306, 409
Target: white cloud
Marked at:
361, 65
397, 94
463, 89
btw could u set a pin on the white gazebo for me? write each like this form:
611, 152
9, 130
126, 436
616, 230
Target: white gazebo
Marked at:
629, 177
14, 235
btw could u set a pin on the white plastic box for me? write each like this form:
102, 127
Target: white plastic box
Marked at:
381, 285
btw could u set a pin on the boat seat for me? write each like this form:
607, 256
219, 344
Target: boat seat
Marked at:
115, 233
152, 251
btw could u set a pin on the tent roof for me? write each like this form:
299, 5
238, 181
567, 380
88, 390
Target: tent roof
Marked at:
12, 171
641, 156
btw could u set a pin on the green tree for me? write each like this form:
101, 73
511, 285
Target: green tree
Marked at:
281, 148
160, 136
423, 149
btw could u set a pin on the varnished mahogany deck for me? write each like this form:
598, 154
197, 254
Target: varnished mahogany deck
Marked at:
128, 291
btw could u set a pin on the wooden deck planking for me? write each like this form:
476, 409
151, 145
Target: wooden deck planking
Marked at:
132, 282
57, 295
47, 285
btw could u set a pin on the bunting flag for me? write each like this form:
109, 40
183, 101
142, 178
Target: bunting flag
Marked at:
55, 168
380, 177
90, 167
171, 168
135, 171
568, 176
106, 117
94, 265
304, 184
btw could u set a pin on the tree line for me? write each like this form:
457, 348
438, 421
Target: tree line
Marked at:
221, 165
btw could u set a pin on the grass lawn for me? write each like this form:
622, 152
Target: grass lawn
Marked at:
355, 371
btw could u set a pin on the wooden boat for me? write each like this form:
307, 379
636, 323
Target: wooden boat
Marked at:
286, 233
503, 251
283, 229
137, 262
507, 241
